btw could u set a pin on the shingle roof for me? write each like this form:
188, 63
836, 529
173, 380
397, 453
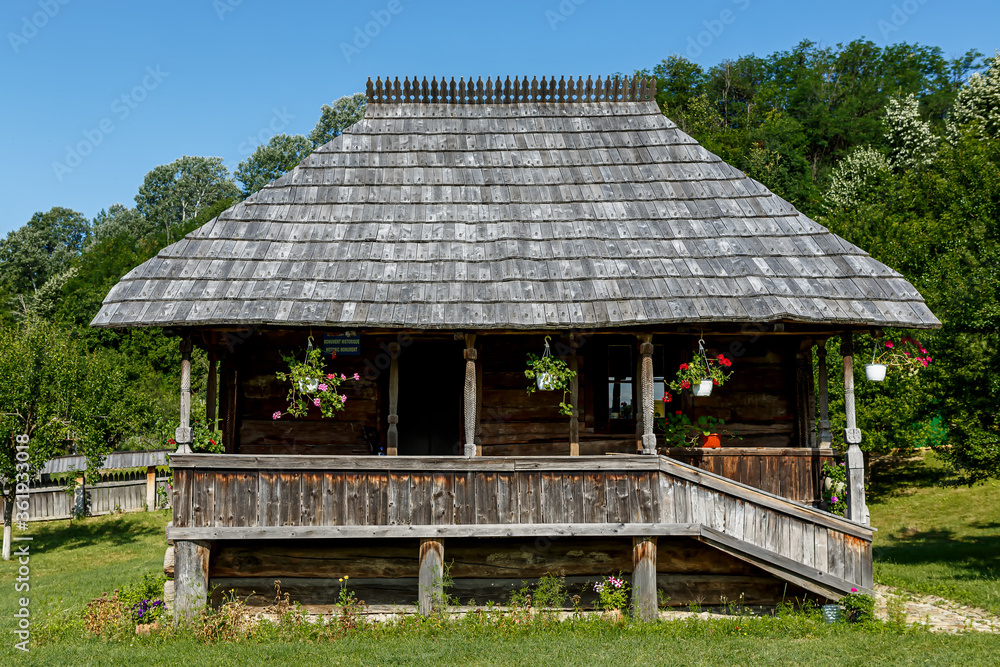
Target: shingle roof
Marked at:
505, 215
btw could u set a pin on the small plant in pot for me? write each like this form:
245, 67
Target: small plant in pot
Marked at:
702, 373
548, 373
312, 386
705, 431
907, 354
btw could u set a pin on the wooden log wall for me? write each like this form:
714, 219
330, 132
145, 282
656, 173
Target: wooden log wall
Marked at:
793, 473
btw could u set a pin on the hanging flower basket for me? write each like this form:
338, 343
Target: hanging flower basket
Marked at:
548, 373
703, 373
875, 372
907, 355
311, 386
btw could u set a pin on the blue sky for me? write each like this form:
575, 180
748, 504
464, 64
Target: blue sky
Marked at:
96, 96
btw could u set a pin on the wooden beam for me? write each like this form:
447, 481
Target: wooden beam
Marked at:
150, 488
431, 576
392, 434
646, 392
857, 510
191, 566
182, 435
574, 397
644, 602
825, 436
469, 394
479, 399
550, 530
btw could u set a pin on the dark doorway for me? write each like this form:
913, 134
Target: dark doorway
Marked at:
430, 398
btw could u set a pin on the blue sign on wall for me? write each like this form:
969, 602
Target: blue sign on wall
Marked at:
344, 346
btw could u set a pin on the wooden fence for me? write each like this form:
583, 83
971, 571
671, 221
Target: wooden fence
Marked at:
51, 500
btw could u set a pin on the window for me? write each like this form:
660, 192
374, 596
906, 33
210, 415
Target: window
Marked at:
621, 384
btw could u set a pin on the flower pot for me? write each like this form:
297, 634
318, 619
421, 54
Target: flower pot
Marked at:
544, 381
711, 441
308, 387
875, 372
703, 388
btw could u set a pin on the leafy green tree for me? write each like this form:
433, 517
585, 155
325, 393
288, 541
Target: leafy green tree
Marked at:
119, 219
339, 116
43, 247
272, 160
173, 193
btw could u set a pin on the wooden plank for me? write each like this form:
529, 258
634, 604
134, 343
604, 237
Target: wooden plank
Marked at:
414, 531
442, 499
507, 501
464, 501
181, 500
795, 538
378, 498
820, 558
191, 567
625, 499
431, 576
835, 553
808, 544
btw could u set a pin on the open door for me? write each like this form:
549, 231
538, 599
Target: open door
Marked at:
431, 377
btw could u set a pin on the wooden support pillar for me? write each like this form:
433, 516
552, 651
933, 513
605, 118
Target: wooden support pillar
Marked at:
151, 488
431, 575
469, 395
574, 398
646, 392
479, 402
857, 510
211, 393
825, 436
191, 561
392, 434
805, 395
182, 436
644, 602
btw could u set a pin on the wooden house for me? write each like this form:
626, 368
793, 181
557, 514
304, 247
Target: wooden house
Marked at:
435, 244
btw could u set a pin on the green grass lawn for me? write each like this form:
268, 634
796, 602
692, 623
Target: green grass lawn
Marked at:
938, 538
943, 540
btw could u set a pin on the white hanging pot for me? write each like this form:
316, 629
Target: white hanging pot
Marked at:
875, 372
308, 387
703, 388
544, 381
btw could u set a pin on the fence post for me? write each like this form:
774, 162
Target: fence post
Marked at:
150, 488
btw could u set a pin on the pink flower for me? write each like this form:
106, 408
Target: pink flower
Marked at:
343, 377
343, 398
923, 351
316, 402
322, 387
854, 590
906, 354
276, 415
330, 376
357, 377
833, 499
928, 357
924, 362
888, 344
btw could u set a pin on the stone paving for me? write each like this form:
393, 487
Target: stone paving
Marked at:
939, 614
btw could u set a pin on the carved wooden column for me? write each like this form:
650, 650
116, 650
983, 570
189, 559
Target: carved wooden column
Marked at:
574, 398
644, 603
646, 391
857, 510
430, 574
182, 436
825, 436
470, 394
392, 434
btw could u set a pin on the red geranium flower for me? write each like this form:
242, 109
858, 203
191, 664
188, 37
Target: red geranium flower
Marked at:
679, 412
685, 384
684, 367
667, 397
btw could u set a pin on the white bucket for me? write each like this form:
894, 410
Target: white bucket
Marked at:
875, 372
703, 388
544, 381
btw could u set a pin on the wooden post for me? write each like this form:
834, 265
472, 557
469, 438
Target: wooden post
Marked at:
79, 508
644, 603
646, 391
392, 435
479, 403
857, 510
574, 398
431, 575
825, 436
805, 395
151, 488
211, 392
191, 560
182, 435
470, 394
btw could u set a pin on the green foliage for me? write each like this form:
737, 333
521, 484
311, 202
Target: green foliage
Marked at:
550, 592
834, 488
281, 154
859, 607
701, 368
339, 116
311, 386
41, 249
143, 599
174, 193
613, 593
679, 431
554, 374
206, 440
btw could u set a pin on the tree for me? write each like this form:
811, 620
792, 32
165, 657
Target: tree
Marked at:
119, 219
912, 143
336, 118
270, 161
977, 105
175, 192
43, 247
